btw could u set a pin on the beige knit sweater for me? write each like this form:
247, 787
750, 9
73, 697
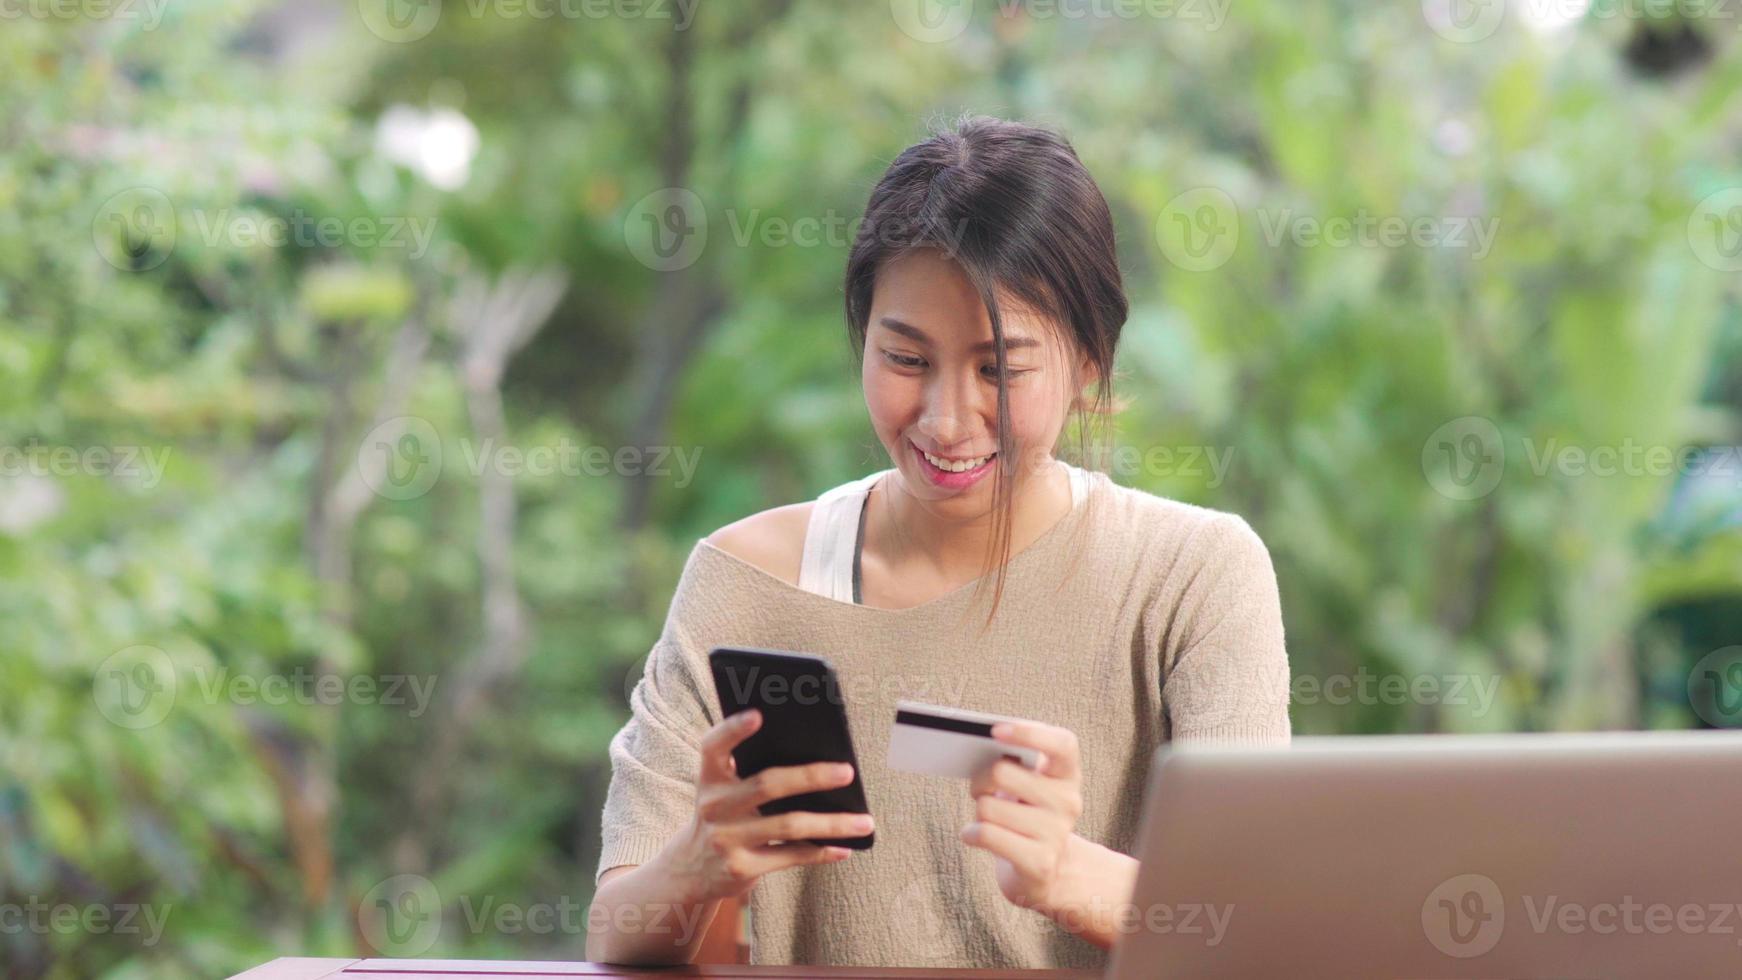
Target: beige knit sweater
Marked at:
1132, 621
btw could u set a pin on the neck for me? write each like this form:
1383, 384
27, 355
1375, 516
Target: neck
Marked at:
904, 528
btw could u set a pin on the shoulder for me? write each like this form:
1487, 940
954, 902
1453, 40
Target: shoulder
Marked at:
1182, 534
1137, 509
772, 540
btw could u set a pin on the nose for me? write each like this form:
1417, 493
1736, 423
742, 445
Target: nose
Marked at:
951, 412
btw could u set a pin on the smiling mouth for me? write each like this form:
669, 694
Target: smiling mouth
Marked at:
965, 464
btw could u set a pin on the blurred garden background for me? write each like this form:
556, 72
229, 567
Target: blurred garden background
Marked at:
368, 370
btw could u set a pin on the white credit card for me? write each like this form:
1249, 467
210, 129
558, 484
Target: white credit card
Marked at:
935, 741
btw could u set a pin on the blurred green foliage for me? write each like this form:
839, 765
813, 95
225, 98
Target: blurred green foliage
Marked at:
1341, 383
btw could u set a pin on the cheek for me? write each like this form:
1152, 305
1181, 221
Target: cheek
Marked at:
1037, 412
890, 401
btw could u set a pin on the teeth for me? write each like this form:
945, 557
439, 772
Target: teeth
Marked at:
955, 465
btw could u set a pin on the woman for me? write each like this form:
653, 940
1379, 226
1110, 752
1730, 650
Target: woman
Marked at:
984, 299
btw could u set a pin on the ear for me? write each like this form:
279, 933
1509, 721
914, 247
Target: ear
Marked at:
1087, 375
1089, 372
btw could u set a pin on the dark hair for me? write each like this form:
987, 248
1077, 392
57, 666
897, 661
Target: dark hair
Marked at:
1014, 206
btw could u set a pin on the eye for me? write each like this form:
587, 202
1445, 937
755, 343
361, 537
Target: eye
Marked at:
904, 360
991, 372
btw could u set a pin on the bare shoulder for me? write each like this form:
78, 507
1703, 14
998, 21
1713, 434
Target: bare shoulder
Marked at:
772, 540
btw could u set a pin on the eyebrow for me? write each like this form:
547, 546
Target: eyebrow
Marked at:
912, 332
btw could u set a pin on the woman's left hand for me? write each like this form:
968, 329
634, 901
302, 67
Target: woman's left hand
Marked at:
1026, 818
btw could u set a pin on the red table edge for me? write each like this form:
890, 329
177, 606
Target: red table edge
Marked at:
312, 968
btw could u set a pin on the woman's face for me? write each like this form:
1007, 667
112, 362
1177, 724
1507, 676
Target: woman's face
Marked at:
931, 383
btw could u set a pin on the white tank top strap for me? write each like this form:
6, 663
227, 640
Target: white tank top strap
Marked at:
1079, 484
832, 536
829, 540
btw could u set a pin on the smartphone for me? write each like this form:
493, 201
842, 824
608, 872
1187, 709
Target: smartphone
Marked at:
804, 720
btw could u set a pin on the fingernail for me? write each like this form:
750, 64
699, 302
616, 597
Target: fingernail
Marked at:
837, 853
862, 823
1001, 730
746, 718
843, 771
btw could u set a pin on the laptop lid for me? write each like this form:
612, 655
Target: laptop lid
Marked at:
1608, 855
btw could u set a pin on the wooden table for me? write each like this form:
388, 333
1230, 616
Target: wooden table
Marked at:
296, 968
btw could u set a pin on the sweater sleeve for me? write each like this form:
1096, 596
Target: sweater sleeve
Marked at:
1228, 679
656, 754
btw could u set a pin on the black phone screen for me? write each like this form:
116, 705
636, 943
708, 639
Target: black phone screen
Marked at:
804, 720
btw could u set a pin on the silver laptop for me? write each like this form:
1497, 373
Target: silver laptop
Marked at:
1609, 855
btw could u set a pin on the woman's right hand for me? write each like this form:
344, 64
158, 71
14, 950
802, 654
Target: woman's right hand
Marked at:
730, 844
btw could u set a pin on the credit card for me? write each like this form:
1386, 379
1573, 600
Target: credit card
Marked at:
937, 741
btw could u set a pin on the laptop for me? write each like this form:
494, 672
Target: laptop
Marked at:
1607, 855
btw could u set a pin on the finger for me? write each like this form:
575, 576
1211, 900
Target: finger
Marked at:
1026, 785
1025, 854
1029, 821
778, 782
1058, 746
800, 825
719, 741
770, 858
